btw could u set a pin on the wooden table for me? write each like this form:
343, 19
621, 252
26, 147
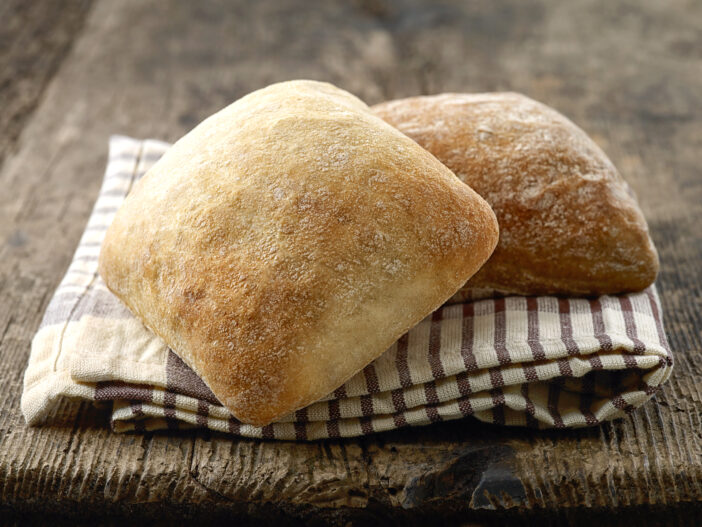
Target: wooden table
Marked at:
630, 73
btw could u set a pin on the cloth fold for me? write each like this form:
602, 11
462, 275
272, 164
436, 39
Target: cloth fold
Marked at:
525, 361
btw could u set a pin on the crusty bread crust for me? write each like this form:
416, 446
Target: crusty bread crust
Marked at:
569, 224
287, 241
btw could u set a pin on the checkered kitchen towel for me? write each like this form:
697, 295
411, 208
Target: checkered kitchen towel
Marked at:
526, 361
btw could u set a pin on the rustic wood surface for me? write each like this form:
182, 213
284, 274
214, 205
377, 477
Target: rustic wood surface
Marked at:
630, 73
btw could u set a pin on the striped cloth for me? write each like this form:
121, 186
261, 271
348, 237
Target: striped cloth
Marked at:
524, 361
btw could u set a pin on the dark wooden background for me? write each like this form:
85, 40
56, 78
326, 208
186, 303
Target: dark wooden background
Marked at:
71, 73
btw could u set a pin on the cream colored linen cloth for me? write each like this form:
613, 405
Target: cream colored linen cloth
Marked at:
522, 361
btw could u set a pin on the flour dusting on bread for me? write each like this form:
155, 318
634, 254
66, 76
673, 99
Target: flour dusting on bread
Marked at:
569, 223
287, 241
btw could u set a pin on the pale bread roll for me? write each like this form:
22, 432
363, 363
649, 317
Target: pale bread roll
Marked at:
287, 241
569, 223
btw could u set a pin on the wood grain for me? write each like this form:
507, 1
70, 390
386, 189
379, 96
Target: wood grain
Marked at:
34, 38
629, 73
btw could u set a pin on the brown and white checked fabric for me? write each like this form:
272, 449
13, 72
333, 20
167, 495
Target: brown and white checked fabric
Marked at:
526, 361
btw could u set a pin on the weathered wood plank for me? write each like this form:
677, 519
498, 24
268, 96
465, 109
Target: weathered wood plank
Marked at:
34, 38
157, 68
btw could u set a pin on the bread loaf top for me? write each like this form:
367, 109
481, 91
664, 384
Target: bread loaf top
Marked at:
287, 241
569, 223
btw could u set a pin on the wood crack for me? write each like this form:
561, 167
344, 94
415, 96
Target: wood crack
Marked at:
193, 474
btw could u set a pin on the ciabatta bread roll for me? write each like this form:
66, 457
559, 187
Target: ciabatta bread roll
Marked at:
569, 224
287, 241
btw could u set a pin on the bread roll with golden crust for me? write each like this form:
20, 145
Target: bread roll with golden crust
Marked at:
569, 224
287, 241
